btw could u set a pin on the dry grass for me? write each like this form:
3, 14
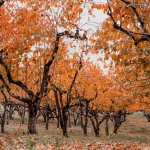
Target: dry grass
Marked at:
135, 130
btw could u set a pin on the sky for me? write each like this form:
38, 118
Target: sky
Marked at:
99, 18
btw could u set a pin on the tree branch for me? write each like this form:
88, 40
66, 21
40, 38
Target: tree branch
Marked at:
46, 76
12, 94
145, 35
1, 2
16, 82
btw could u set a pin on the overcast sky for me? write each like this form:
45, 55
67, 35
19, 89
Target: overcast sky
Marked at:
99, 18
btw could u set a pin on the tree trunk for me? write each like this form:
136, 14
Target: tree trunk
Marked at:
65, 131
3, 121
56, 115
119, 118
64, 121
11, 110
7, 116
107, 128
75, 117
47, 116
32, 118
23, 117
47, 122
97, 131
95, 127
94, 120
85, 118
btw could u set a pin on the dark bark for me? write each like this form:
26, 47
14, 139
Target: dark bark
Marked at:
1, 2
3, 119
7, 116
84, 116
96, 127
75, 117
93, 115
118, 118
47, 116
107, 127
23, 114
3, 116
32, 108
63, 108
33, 100
3, 123
47, 122
62, 113
81, 115
64, 122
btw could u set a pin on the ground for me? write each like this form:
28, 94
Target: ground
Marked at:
134, 134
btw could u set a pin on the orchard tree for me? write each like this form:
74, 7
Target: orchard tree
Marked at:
62, 84
124, 39
93, 83
131, 19
31, 35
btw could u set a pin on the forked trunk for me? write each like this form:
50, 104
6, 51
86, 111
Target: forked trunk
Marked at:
96, 126
96, 131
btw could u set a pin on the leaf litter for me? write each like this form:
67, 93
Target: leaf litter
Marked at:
33, 142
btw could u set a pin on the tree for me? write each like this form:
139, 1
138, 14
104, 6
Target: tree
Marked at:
63, 94
125, 43
34, 35
131, 18
89, 85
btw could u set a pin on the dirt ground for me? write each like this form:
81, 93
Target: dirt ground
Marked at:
134, 134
